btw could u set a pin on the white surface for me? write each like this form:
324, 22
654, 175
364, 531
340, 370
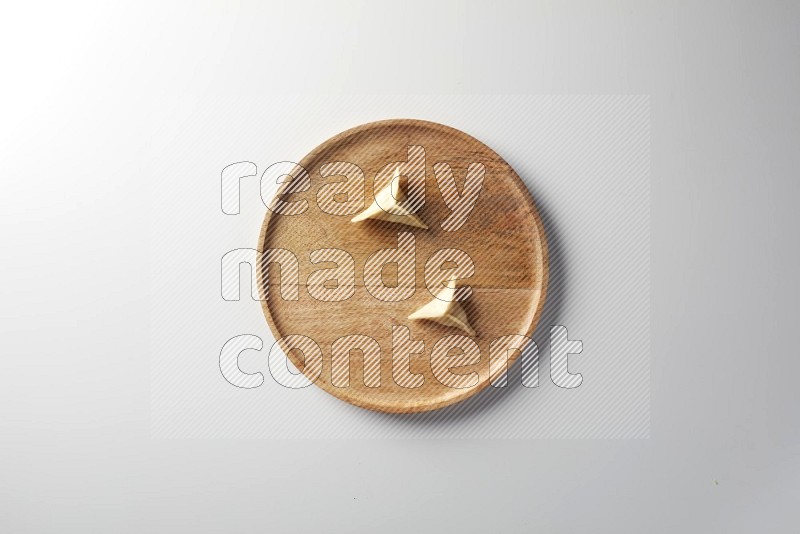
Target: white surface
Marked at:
92, 97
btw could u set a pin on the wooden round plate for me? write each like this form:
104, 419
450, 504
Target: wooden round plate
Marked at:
503, 235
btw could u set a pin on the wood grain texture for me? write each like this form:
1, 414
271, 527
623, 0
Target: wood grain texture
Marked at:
504, 236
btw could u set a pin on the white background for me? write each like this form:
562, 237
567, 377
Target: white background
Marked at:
95, 96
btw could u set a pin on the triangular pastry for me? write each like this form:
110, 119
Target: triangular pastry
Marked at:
388, 199
445, 311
